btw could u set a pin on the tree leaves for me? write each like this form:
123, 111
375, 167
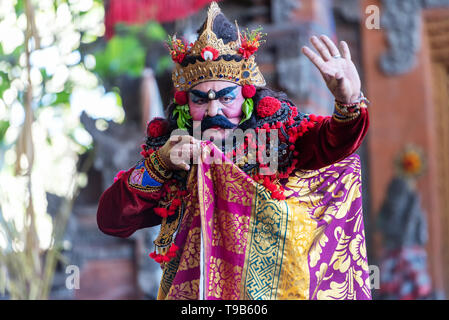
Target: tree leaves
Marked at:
4, 125
122, 55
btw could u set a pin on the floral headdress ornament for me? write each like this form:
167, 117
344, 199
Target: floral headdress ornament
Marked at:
178, 48
251, 41
216, 55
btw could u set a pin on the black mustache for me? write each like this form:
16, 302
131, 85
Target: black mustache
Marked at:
218, 120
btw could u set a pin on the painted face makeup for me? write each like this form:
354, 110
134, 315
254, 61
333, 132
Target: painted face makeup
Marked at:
210, 99
224, 96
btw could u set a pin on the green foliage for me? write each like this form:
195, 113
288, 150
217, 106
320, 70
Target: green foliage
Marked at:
122, 55
247, 109
164, 63
125, 52
4, 125
155, 32
4, 82
183, 116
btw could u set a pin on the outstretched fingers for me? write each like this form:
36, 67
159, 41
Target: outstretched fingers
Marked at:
321, 48
330, 46
345, 50
314, 58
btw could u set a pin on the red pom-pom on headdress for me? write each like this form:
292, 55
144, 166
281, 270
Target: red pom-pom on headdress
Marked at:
268, 106
181, 98
248, 91
157, 128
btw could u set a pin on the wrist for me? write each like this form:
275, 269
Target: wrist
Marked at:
345, 112
352, 100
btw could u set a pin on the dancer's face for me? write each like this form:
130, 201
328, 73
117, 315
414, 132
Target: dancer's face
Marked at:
216, 115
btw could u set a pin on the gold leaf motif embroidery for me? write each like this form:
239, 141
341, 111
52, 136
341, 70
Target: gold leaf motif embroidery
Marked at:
235, 183
224, 279
340, 259
357, 247
184, 291
190, 257
230, 231
316, 250
343, 290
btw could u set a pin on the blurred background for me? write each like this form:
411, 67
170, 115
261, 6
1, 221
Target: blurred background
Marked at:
79, 79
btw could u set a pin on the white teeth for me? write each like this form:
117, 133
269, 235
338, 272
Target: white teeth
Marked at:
208, 55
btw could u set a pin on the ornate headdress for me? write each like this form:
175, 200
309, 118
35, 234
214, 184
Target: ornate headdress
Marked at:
219, 53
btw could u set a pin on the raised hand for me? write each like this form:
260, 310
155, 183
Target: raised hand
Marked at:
336, 67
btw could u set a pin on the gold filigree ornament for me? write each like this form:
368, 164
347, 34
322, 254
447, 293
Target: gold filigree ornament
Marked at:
210, 63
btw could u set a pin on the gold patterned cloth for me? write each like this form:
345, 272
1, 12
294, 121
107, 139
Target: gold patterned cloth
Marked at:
236, 242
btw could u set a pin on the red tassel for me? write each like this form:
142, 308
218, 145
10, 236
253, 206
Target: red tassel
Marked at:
173, 248
161, 212
119, 175
170, 254
176, 202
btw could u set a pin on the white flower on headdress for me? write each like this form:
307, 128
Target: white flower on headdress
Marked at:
209, 53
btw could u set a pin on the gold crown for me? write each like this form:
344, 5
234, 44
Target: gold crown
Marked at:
213, 66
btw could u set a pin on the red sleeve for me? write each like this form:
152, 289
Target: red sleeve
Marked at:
330, 141
122, 209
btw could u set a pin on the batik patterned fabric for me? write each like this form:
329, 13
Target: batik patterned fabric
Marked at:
236, 242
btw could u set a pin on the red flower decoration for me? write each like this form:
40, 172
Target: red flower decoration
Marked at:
268, 106
209, 53
247, 50
181, 97
178, 57
178, 48
248, 91
157, 128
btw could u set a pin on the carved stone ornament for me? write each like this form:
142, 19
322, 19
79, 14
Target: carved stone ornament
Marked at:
402, 22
